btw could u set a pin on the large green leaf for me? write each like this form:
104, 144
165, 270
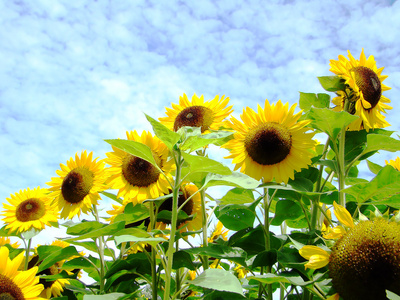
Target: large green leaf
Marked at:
235, 217
130, 238
106, 230
272, 278
56, 256
84, 227
135, 148
286, 210
376, 142
236, 179
307, 100
234, 254
205, 164
332, 83
169, 137
196, 142
218, 279
237, 196
92, 246
329, 121
392, 296
183, 259
383, 189
112, 296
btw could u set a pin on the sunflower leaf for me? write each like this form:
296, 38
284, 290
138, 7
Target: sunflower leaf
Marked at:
329, 121
135, 148
235, 216
112, 296
106, 230
376, 142
167, 136
286, 210
332, 83
307, 100
237, 196
195, 142
218, 279
56, 256
205, 164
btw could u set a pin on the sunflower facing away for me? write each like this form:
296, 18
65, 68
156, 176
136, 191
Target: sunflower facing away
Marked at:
394, 163
135, 178
270, 143
364, 262
364, 89
197, 113
29, 209
78, 185
14, 284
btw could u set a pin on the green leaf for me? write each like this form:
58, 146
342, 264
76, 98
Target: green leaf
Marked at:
221, 295
106, 230
235, 217
205, 164
218, 279
383, 189
112, 296
234, 254
373, 167
376, 142
92, 246
332, 83
84, 227
167, 136
286, 210
272, 278
265, 258
30, 233
392, 296
133, 213
183, 259
307, 100
77, 263
135, 148
237, 196
196, 142
154, 241
329, 121
235, 179
57, 256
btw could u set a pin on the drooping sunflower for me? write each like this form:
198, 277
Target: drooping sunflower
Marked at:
364, 89
366, 255
135, 178
14, 284
197, 113
394, 163
192, 207
270, 143
30, 209
78, 185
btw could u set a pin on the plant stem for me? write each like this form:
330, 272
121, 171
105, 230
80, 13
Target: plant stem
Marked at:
101, 254
267, 240
27, 252
341, 167
171, 249
205, 223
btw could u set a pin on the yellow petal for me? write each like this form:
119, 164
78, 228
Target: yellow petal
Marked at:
343, 215
317, 257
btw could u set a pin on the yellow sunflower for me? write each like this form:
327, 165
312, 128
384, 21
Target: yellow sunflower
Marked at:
394, 163
271, 143
366, 254
135, 178
192, 207
78, 185
218, 232
364, 89
29, 209
6, 241
197, 113
14, 284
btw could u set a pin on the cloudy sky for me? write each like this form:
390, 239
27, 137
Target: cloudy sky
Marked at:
74, 73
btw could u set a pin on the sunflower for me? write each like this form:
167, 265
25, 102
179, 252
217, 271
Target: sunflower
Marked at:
218, 232
30, 209
191, 208
14, 284
366, 255
394, 163
271, 143
78, 185
197, 113
6, 241
135, 178
364, 89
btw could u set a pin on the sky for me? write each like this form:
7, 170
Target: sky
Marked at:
74, 73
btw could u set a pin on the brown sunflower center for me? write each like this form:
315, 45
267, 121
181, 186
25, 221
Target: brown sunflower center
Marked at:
53, 270
139, 172
30, 210
369, 83
187, 208
268, 143
77, 184
9, 290
367, 256
195, 116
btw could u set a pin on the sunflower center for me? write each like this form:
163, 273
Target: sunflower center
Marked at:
268, 143
30, 210
187, 208
367, 256
139, 172
195, 116
9, 290
369, 83
77, 184
53, 270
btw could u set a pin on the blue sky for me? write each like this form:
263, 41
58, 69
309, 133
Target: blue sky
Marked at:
74, 73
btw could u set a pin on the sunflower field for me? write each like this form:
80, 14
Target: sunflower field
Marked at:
269, 205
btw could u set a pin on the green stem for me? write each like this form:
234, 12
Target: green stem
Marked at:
341, 167
153, 260
205, 223
27, 252
101, 254
314, 213
174, 219
177, 277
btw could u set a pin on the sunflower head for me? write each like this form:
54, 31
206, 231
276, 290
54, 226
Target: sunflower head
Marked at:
136, 179
78, 185
29, 209
197, 113
363, 91
270, 143
394, 163
365, 262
